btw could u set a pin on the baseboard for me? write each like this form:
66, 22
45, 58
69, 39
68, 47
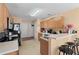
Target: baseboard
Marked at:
27, 38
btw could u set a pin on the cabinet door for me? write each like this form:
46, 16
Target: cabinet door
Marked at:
51, 23
44, 47
1, 25
43, 24
1, 18
46, 24
5, 15
60, 23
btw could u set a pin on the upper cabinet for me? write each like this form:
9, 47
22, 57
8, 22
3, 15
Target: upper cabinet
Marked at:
1, 18
51, 23
4, 13
16, 19
54, 23
44, 24
59, 22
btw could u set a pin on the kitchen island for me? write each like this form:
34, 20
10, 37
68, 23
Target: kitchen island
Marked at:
49, 44
9, 47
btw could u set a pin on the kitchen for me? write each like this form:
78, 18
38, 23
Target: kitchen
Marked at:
47, 29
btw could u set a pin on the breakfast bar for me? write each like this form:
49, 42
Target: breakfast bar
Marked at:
49, 44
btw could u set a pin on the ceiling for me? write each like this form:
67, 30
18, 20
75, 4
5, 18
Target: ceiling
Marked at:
24, 10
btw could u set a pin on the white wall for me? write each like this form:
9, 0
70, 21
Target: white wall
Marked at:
36, 29
26, 29
72, 17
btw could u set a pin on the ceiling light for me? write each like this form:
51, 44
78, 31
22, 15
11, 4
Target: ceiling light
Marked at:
35, 12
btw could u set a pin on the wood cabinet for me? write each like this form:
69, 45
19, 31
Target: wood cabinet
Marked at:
3, 16
1, 25
43, 47
44, 24
39, 35
16, 19
52, 23
60, 23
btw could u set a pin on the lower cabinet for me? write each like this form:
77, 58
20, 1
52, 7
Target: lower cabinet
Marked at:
43, 47
39, 35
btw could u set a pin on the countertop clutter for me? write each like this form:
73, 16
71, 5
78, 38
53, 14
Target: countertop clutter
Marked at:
8, 47
46, 36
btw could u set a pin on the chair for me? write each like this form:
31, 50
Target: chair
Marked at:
77, 44
71, 45
65, 50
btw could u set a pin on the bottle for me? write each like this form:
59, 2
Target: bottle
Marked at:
69, 31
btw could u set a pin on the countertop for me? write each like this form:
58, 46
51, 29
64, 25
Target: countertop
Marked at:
7, 47
57, 36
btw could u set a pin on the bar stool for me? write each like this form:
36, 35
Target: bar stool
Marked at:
71, 45
77, 48
77, 44
61, 49
65, 50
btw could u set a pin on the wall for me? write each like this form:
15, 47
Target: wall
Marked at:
26, 28
72, 17
36, 29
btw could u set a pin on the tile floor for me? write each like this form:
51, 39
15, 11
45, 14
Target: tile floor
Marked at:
30, 47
